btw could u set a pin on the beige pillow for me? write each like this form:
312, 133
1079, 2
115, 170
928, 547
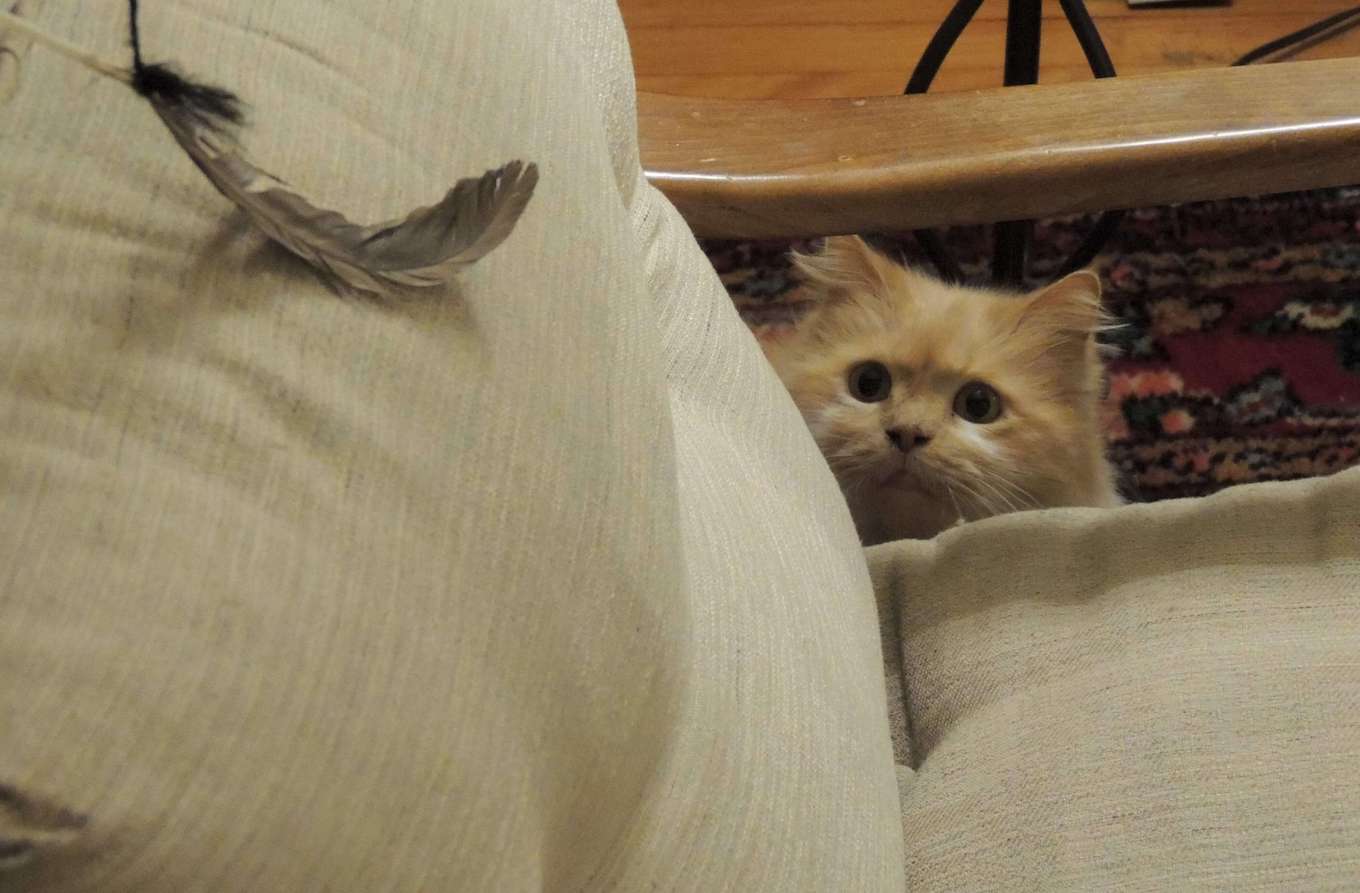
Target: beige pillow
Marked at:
535, 584
1156, 698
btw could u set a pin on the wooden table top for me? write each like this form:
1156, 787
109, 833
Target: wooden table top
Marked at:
820, 48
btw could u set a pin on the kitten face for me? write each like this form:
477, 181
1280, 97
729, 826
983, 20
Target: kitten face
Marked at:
935, 403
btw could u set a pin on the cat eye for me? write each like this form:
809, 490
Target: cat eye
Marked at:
978, 403
869, 382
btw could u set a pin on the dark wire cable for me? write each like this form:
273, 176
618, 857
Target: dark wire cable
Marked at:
1341, 20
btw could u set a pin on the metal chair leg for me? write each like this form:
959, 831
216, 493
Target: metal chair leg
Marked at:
1024, 22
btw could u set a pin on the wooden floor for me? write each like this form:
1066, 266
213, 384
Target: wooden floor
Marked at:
807, 48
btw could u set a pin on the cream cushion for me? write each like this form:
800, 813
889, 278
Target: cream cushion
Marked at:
1157, 698
538, 583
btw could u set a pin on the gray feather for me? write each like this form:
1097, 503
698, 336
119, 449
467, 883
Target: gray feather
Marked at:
426, 248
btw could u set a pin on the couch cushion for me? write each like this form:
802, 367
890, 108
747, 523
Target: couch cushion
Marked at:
1158, 697
536, 583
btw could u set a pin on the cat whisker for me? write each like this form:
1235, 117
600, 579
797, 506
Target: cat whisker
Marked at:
851, 461
953, 497
1006, 498
1023, 498
853, 475
1016, 501
982, 501
1003, 495
848, 454
964, 476
1001, 505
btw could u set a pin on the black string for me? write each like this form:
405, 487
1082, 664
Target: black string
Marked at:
136, 35
213, 107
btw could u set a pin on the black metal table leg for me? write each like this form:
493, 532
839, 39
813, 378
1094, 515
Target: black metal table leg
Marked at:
1024, 23
1101, 66
1024, 20
921, 77
1023, 30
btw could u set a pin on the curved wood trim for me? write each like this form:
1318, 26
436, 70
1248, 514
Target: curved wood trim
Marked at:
775, 168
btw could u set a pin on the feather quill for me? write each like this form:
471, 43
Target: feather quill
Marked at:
426, 248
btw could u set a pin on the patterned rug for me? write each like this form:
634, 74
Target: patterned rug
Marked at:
1240, 344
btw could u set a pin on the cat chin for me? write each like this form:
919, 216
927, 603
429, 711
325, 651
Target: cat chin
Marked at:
909, 476
905, 481
893, 513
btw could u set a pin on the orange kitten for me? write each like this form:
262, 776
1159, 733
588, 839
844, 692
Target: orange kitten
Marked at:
936, 404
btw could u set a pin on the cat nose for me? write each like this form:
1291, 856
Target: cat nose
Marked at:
906, 439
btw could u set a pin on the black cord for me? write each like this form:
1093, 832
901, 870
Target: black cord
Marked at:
213, 107
135, 34
1342, 20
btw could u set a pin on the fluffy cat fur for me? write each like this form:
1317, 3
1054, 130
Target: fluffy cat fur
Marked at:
910, 464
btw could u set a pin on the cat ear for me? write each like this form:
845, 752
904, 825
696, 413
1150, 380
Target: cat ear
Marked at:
1071, 306
1062, 319
845, 265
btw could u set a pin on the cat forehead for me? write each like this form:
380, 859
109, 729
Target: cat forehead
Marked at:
925, 323
931, 301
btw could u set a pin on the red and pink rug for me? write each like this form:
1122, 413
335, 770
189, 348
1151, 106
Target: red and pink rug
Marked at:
1240, 349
